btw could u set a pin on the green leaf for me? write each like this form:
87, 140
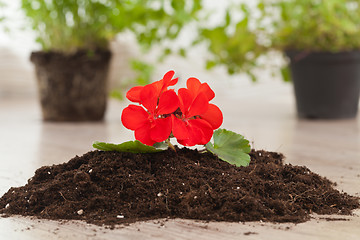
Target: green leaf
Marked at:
227, 18
261, 6
130, 146
182, 52
210, 64
143, 72
285, 73
117, 94
230, 147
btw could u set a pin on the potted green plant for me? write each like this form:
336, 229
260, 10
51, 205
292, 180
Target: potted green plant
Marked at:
319, 38
72, 66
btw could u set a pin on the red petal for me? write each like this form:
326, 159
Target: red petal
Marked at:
166, 80
195, 87
200, 132
193, 84
133, 117
168, 102
149, 98
199, 106
161, 129
205, 129
158, 86
213, 116
179, 129
134, 94
194, 137
167, 77
185, 100
209, 93
173, 82
143, 134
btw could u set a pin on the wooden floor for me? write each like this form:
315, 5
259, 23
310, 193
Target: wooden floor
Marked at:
264, 113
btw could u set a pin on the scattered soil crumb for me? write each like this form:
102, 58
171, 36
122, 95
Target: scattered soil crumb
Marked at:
335, 219
249, 233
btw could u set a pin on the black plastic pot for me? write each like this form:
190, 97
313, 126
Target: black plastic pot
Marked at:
72, 87
327, 85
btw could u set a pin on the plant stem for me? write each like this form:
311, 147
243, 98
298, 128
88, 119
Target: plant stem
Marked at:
170, 145
202, 150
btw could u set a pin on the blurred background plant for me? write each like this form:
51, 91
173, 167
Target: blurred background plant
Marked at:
66, 25
268, 27
314, 25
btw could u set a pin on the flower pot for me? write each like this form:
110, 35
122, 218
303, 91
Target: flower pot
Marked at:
327, 85
72, 87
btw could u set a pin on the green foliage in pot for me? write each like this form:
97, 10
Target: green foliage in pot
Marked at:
69, 25
322, 25
280, 25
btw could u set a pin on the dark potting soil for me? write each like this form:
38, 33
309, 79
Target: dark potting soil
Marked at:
112, 187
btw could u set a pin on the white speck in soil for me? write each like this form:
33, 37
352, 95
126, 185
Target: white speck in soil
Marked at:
120, 216
49, 173
90, 171
7, 205
160, 194
80, 212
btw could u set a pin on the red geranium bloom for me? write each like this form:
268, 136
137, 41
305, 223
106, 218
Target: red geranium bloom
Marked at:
213, 115
198, 119
153, 125
160, 86
195, 87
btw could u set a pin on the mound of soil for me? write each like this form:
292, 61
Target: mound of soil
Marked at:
112, 188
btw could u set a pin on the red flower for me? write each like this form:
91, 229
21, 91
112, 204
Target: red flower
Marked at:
195, 87
198, 119
153, 125
188, 116
213, 115
160, 86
